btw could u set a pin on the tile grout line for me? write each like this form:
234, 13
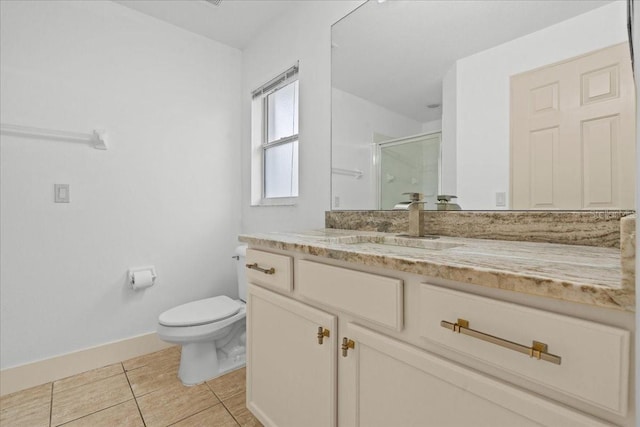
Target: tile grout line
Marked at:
213, 391
196, 413
230, 413
129, 383
88, 382
82, 385
222, 403
92, 413
135, 399
51, 406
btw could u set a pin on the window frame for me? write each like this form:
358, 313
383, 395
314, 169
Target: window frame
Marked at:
260, 143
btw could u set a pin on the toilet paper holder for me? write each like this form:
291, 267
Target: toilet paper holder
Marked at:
133, 271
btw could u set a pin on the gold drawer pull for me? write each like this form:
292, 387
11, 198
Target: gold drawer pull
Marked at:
254, 266
322, 333
346, 345
537, 349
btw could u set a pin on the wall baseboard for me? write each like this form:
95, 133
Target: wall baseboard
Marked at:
47, 370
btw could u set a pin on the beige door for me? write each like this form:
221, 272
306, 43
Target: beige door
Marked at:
291, 377
573, 134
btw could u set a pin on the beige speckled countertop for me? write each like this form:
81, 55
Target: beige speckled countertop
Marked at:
583, 274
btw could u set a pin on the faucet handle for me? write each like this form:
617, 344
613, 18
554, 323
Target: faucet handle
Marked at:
415, 197
445, 197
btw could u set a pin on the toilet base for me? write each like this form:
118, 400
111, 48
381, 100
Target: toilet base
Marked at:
200, 362
231, 364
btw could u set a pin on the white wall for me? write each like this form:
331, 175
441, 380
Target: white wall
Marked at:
482, 126
432, 126
354, 122
165, 193
304, 35
449, 172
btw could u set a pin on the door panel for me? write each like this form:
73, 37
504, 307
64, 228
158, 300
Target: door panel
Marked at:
544, 147
589, 102
600, 148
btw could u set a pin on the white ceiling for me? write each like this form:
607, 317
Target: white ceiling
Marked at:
419, 40
395, 53
233, 22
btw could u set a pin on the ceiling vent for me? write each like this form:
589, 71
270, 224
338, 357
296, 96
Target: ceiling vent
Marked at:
214, 2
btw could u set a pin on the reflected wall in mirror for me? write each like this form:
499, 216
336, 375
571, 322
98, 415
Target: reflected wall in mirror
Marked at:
401, 69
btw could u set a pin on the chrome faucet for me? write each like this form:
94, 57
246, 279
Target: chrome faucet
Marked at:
416, 219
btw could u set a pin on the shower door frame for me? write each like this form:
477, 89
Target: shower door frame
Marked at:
377, 159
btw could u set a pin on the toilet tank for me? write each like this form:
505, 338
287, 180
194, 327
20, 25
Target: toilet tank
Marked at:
241, 252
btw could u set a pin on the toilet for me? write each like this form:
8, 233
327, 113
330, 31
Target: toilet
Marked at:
211, 331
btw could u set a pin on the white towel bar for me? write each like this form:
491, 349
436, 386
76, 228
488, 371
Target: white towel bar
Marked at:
98, 137
357, 174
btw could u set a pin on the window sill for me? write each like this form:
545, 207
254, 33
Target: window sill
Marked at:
277, 201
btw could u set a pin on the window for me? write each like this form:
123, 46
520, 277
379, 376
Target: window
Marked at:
274, 138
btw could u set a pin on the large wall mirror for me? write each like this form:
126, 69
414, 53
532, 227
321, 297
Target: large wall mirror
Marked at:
422, 102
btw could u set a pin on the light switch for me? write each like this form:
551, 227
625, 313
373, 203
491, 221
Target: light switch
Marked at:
61, 193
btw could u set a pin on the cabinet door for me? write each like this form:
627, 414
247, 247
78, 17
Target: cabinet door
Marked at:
395, 384
291, 377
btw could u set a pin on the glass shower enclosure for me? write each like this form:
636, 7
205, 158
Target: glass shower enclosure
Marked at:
409, 165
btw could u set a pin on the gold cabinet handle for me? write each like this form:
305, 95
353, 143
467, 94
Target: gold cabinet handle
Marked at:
255, 266
537, 349
346, 345
322, 332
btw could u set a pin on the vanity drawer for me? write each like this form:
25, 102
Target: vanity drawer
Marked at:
593, 358
377, 299
274, 271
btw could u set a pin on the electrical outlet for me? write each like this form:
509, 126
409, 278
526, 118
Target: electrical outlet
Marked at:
336, 202
501, 199
61, 193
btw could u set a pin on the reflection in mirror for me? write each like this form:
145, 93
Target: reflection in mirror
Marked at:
407, 68
408, 165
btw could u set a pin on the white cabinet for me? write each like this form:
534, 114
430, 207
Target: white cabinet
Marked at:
291, 377
371, 297
273, 271
389, 376
581, 347
396, 384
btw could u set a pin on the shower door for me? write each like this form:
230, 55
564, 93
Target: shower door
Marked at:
409, 165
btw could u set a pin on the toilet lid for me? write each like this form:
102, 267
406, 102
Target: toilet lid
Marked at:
200, 312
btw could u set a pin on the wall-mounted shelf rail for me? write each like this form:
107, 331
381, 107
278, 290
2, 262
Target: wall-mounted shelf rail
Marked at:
97, 138
357, 174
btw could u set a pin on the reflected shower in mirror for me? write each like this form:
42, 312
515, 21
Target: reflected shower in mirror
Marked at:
409, 165
404, 69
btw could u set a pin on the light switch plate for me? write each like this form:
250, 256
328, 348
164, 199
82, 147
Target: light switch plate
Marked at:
61, 193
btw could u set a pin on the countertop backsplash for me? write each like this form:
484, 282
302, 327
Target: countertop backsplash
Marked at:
587, 228
628, 251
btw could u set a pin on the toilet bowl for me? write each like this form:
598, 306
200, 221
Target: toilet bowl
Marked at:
211, 332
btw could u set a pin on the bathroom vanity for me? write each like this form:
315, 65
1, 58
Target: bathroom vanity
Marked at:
354, 328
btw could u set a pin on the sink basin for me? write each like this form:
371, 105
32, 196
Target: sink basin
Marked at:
426, 242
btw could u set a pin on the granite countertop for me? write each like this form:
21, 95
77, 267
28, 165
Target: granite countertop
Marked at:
583, 274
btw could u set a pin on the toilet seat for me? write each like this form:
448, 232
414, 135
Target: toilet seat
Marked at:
200, 312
